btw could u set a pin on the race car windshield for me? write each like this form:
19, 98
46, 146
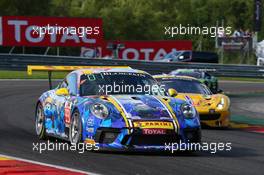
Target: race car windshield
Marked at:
186, 86
113, 83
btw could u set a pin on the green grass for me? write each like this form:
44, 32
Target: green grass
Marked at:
35, 75
247, 120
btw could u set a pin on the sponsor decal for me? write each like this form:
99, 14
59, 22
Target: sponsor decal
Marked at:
153, 131
90, 122
67, 112
153, 125
91, 130
90, 141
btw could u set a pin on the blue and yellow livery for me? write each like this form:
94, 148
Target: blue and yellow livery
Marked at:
114, 107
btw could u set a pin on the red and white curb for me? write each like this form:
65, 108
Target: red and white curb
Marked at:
10, 165
255, 129
247, 127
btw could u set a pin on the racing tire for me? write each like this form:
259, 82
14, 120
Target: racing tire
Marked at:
40, 122
75, 133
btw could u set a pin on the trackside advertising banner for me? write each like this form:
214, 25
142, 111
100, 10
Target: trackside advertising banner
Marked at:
50, 31
150, 50
138, 50
79, 32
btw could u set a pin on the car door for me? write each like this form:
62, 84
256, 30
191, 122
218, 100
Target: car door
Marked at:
64, 105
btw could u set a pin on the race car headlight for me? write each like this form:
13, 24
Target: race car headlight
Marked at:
188, 111
221, 104
99, 110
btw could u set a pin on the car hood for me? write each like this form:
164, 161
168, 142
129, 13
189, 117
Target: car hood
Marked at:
201, 101
141, 107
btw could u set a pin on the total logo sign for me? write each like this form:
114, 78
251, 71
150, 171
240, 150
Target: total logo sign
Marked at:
148, 50
144, 53
154, 131
50, 31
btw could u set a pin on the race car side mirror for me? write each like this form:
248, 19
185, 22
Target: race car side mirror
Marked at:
62, 92
172, 92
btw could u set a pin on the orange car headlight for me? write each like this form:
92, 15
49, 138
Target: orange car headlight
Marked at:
221, 105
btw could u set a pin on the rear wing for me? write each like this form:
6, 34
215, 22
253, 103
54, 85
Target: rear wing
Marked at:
50, 69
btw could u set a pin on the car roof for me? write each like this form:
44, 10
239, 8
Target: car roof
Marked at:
179, 77
107, 69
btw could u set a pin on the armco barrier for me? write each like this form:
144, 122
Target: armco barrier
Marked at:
20, 62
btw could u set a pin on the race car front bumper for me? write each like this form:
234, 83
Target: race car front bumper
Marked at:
119, 139
217, 119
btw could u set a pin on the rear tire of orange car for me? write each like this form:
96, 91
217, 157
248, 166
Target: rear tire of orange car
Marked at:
75, 133
40, 122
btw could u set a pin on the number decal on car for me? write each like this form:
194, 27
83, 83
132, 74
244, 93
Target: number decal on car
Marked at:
67, 112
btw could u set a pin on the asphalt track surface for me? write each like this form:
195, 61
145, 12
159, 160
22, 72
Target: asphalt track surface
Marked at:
17, 135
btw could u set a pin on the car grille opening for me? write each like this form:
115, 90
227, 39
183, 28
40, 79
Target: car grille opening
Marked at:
106, 135
158, 140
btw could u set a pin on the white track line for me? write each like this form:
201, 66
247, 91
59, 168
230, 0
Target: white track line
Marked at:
49, 165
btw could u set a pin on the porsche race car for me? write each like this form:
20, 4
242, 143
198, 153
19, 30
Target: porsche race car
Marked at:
83, 108
214, 109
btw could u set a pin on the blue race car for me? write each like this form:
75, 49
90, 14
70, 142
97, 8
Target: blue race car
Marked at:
115, 108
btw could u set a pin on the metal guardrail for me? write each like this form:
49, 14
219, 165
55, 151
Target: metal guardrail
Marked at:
20, 62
